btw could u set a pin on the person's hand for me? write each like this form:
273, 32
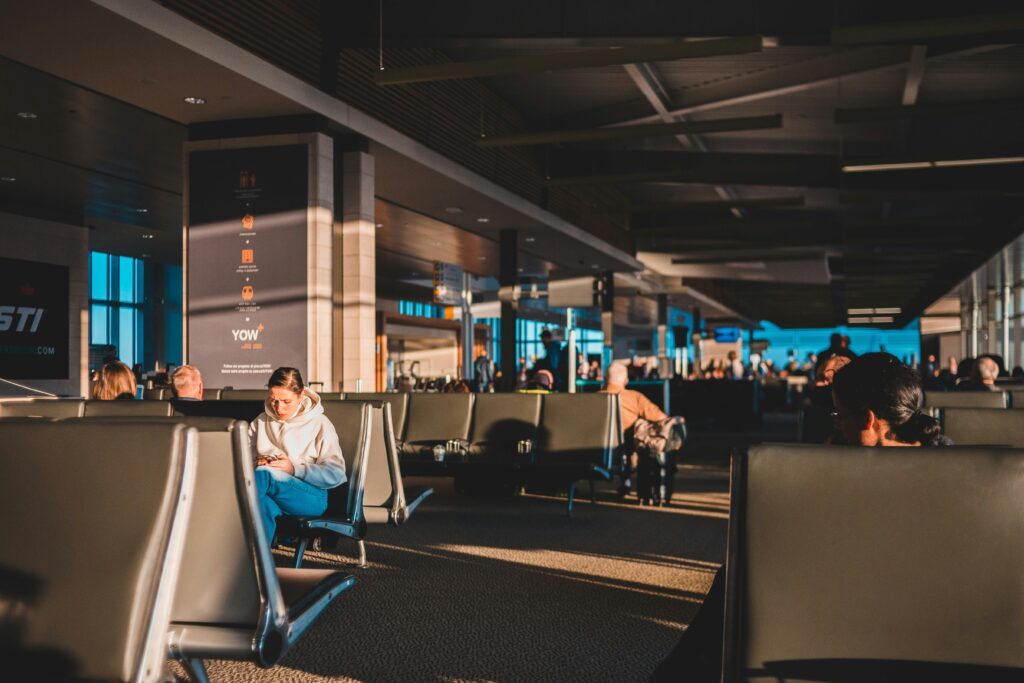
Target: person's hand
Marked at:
282, 463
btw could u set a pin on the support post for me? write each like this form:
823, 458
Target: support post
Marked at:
571, 327
355, 276
508, 276
608, 319
467, 327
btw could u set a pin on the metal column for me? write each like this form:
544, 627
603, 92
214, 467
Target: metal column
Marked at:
467, 327
508, 277
608, 319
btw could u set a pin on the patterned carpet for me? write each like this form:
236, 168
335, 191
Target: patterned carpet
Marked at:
508, 590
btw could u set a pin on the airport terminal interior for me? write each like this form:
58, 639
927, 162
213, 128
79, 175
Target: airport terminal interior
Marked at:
547, 340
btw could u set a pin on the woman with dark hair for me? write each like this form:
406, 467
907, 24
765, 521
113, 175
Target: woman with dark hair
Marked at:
878, 402
298, 456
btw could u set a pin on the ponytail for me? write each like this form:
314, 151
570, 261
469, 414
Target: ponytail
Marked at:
921, 428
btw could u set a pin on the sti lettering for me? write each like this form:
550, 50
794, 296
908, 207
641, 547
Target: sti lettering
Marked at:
24, 313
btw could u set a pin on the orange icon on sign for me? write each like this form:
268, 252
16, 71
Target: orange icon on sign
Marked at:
248, 220
247, 293
247, 255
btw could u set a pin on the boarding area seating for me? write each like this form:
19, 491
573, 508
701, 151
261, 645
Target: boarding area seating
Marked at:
530, 440
719, 405
97, 604
983, 426
966, 399
229, 600
56, 408
863, 564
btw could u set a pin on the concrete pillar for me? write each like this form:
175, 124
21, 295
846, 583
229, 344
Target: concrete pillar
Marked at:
355, 277
467, 327
508, 277
608, 319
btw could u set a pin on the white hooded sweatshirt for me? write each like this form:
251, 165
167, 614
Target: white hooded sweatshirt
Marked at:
308, 439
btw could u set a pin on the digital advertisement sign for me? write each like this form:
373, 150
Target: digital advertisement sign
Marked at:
247, 291
34, 327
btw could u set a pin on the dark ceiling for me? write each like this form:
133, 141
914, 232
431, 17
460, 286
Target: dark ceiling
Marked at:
947, 86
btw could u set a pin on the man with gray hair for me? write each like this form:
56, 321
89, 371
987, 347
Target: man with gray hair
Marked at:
187, 383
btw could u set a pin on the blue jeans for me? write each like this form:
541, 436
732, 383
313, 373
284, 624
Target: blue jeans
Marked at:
283, 494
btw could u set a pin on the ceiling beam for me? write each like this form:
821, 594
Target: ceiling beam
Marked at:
936, 110
749, 257
798, 78
711, 205
946, 27
424, 73
645, 77
704, 127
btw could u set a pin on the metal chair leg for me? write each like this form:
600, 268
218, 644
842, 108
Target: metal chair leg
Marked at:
300, 550
362, 554
572, 495
195, 669
593, 493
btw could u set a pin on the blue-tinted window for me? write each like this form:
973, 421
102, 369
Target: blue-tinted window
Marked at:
99, 274
126, 278
116, 296
98, 323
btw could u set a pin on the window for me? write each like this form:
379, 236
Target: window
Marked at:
116, 296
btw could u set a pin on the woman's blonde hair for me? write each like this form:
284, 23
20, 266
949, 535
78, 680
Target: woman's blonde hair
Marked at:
114, 379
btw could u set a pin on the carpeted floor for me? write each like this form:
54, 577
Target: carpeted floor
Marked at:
511, 590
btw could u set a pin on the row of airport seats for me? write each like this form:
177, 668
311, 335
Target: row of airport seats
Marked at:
865, 564
376, 493
571, 437
162, 553
1013, 398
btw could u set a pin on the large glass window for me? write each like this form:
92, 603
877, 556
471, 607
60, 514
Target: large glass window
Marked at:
117, 292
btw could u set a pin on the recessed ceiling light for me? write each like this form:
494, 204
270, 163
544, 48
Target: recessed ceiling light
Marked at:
195, 99
27, 115
141, 210
147, 235
531, 239
145, 256
380, 225
483, 258
453, 209
7, 179
595, 265
436, 243
483, 220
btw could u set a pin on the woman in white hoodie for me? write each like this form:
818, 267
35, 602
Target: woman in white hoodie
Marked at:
298, 456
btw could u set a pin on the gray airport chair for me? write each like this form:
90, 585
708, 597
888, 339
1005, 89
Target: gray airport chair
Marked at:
399, 402
232, 602
156, 394
359, 433
434, 419
331, 396
965, 399
500, 421
212, 394
579, 437
1017, 398
56, 408
127, 409
983, 427
386, 498
242, 395
95, 605
875, 564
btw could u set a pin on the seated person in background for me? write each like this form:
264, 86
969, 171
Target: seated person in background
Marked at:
456, 386
541, 381
187, 384
982, 377
114, 381
818, 425
633, 407
879, 402
298, 456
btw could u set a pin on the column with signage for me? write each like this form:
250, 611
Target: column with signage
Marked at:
258, 258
